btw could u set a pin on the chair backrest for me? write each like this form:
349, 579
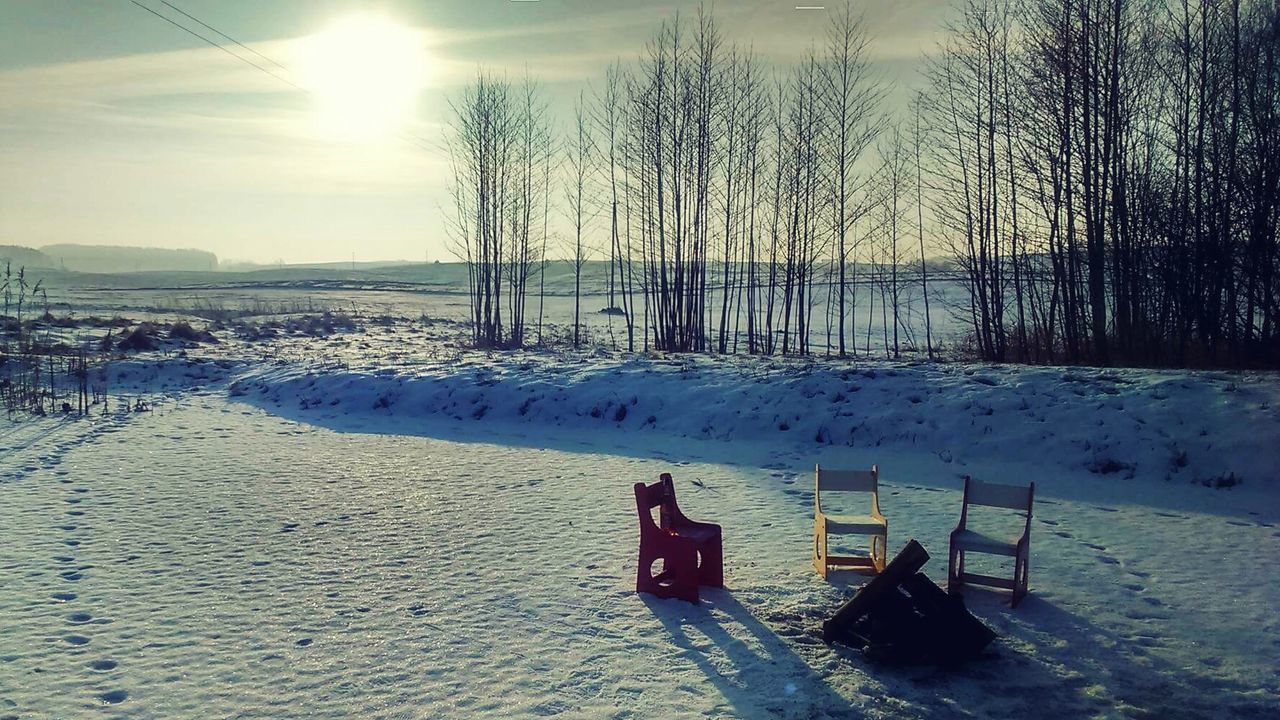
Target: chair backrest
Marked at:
1013, 497
847, 480
650, 496
662, 495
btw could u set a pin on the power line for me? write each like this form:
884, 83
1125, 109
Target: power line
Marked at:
218, 45
216, 30
412, 139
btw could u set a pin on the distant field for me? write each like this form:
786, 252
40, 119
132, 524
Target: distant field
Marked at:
439, 291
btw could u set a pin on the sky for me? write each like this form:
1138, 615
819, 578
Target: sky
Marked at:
117, 128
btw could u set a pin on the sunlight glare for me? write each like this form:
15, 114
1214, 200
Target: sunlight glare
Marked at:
365, 72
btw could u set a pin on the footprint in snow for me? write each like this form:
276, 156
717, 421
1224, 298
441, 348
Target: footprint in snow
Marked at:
76, 640
1138, 614
103, 665
114, 697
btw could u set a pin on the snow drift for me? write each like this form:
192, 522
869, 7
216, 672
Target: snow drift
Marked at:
1215, 429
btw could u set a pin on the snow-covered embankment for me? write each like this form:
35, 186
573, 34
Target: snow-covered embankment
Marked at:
1210, 428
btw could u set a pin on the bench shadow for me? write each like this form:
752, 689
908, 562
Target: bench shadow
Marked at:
758, 674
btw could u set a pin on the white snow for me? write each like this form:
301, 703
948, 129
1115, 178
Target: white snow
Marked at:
1174, 426
356, 538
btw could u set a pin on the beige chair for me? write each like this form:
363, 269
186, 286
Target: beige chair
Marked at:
963, 540
875, 525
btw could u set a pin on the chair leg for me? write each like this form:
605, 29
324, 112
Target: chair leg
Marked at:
711, 572
1020, 572
879, 552
679, 576
820, 552
955, 570
686, 578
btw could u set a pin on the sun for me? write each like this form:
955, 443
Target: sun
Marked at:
365, 72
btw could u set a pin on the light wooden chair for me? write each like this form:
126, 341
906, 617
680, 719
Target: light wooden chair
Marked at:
875, 524
963, 540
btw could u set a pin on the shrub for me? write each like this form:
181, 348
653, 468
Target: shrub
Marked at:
138, 340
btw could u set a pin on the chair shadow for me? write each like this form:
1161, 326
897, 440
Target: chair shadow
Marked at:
764, 677
1047, 662
1052, 662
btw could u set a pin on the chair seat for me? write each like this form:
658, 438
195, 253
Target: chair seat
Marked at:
697, 533
969, 540
855, 524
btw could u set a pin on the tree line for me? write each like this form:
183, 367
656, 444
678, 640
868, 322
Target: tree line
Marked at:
1105, 175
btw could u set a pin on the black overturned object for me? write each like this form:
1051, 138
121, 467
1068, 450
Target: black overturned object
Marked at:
901, 616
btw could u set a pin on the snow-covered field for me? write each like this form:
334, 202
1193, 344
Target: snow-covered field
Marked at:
364, 527
199, 296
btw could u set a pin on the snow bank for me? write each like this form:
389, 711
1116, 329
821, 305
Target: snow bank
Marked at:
1211, 428
144, 377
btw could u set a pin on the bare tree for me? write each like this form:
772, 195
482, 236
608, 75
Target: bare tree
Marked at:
851, 95
579, 159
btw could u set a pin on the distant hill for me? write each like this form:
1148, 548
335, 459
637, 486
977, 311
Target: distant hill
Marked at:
248, 266
19, 256
112, 259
